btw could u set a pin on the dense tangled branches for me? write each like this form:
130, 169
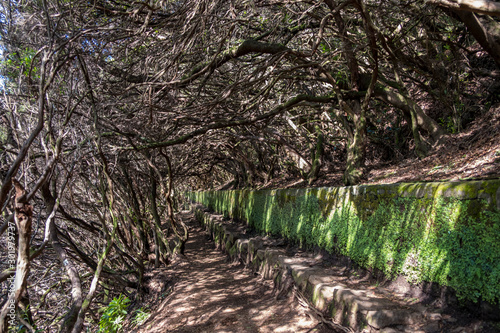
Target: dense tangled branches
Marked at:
111, 108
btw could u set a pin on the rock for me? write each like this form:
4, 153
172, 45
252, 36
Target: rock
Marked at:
384, 318
389, 330
431, 327
434, 316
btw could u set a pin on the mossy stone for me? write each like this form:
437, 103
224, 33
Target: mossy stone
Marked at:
498, 199
452, 225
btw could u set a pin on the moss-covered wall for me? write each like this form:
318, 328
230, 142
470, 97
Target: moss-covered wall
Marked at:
447, 233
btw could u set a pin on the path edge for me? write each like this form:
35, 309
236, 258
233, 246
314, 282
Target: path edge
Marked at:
353, 308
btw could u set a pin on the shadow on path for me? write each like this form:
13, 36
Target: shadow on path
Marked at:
212, 295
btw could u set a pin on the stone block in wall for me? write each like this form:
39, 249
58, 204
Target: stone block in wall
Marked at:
498, 198
459, 190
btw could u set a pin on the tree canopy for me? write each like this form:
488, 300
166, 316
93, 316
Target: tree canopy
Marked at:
110, 109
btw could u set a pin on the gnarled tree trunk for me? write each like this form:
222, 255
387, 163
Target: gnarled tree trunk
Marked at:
356, 151
23, 218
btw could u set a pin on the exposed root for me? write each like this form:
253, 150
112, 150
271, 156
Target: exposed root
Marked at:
316, 314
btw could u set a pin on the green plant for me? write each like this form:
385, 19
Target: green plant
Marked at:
141, 315
20, 327
433, 237
450, 124
113, 316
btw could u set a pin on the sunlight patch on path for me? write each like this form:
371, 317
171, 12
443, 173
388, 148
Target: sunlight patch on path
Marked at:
212, 295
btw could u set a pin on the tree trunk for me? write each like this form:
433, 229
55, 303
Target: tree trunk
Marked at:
163, 250
317, 155
181, 245
138, 221
23, 218
485, 7
411, 109
78, 327
356, 150
485, 30
66, 263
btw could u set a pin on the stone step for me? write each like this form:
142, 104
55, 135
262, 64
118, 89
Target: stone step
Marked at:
360, 309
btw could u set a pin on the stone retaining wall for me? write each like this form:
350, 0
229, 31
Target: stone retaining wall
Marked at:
361, 310
448, 233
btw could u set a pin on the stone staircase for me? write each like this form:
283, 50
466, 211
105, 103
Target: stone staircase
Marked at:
362, 309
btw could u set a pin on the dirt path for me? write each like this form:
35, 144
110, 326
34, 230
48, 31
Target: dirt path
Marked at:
209, 294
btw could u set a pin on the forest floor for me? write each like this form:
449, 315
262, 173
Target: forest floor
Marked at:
474, 153
204, 292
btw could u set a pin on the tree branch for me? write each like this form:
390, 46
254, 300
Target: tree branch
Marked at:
477, 6
218, 125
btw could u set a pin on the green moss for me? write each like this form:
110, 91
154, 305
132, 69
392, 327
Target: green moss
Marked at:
409, 229
332, 309
283, 198
233, 251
